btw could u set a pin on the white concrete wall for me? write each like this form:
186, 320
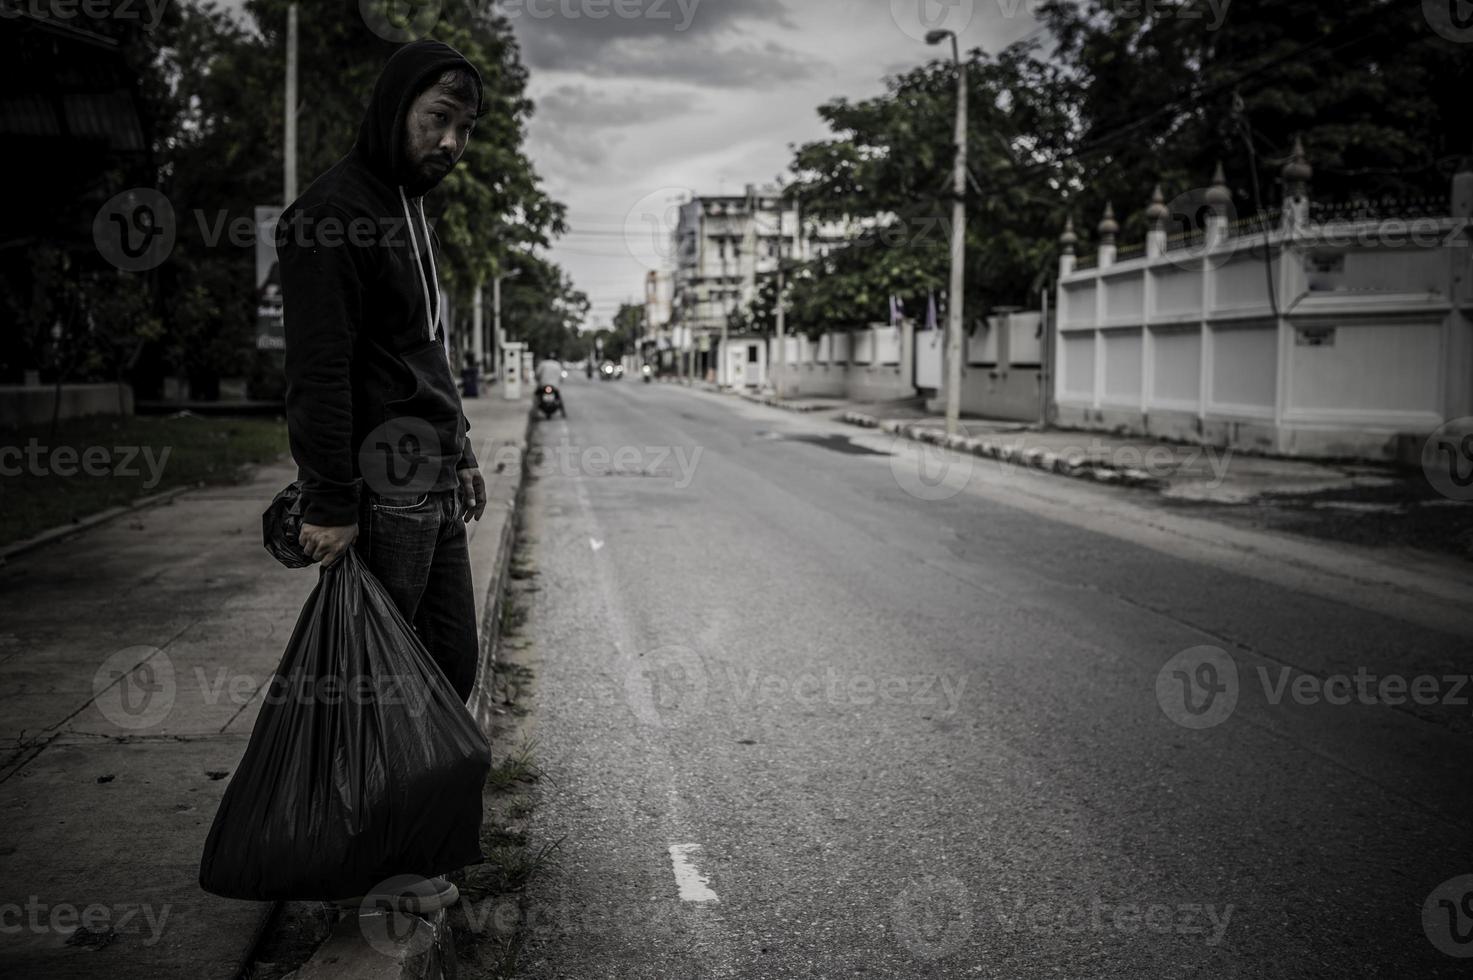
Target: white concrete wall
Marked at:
930, 354
1357, 347
887, 345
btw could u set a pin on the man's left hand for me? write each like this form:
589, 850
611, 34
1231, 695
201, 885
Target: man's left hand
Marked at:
473, 494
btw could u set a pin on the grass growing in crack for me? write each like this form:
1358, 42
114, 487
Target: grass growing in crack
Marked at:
510, 685
513, 614
509, 868
515, 771
491, 925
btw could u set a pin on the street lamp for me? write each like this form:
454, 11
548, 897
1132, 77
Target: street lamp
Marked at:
958, 240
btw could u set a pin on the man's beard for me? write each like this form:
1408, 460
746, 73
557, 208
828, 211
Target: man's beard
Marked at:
433, 169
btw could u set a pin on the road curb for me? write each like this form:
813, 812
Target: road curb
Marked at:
787, 406
1075, 465
425, 952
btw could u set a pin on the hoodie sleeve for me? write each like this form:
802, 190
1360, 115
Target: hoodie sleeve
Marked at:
322, 298
468, 457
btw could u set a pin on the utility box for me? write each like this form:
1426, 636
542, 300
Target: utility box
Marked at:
511, 370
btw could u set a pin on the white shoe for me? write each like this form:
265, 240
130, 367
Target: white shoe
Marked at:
406, 893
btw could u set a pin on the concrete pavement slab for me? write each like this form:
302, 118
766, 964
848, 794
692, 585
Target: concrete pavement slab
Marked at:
118, 760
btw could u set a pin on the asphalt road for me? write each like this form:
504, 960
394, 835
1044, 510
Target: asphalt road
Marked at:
811, 705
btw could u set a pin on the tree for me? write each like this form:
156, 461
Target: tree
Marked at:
208, 95
1375, 93
1131, 95
888, 168
543, 308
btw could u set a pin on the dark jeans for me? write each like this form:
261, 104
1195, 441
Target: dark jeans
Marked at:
416, 546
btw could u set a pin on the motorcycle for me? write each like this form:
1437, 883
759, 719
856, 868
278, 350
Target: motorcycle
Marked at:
649, 374
550, 402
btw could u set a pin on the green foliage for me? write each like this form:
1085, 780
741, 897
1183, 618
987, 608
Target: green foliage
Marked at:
209, 94
1373, 91
1129, 96
543, 308
624, 338
889, 166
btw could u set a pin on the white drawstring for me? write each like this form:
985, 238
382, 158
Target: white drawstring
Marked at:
430, 320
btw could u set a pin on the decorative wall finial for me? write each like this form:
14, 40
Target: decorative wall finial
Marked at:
1219, 198
1068, 239
1156, 213
1297, 171
1108, 225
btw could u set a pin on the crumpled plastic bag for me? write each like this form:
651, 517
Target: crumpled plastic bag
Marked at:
363, 763
281, 528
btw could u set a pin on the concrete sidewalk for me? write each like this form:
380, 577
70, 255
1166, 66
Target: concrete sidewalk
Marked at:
131, 656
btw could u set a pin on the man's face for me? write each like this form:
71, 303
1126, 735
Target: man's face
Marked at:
436, 130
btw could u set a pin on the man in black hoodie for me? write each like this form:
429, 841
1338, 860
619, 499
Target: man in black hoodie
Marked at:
373, 412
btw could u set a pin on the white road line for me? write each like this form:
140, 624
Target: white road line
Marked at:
692, 884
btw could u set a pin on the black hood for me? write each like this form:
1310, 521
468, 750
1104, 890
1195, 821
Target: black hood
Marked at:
381, 135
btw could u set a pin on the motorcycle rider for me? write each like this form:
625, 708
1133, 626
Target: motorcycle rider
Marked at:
550, 375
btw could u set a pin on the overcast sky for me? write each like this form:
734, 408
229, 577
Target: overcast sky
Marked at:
701, 96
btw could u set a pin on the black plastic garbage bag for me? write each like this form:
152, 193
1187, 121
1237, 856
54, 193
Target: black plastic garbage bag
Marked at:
363, 763
281, 528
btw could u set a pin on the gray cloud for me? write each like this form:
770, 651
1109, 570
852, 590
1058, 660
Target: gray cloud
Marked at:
746, 66
591, 108
604, 20
696, 42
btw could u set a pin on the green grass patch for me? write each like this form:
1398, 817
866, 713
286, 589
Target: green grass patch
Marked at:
89, 465
515, 771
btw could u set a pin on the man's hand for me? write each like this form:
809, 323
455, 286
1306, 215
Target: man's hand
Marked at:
327, 544
473, 494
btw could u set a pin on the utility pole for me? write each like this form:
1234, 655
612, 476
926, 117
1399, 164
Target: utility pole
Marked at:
496, 331
782, 317
954, 320
289, 189
478, 327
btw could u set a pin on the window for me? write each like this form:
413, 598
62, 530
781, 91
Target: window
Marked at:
751, 353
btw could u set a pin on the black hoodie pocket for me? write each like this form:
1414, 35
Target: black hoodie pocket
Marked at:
434, 397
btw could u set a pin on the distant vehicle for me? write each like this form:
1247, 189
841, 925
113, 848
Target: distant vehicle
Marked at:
649, 373
550, 401
609, 371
